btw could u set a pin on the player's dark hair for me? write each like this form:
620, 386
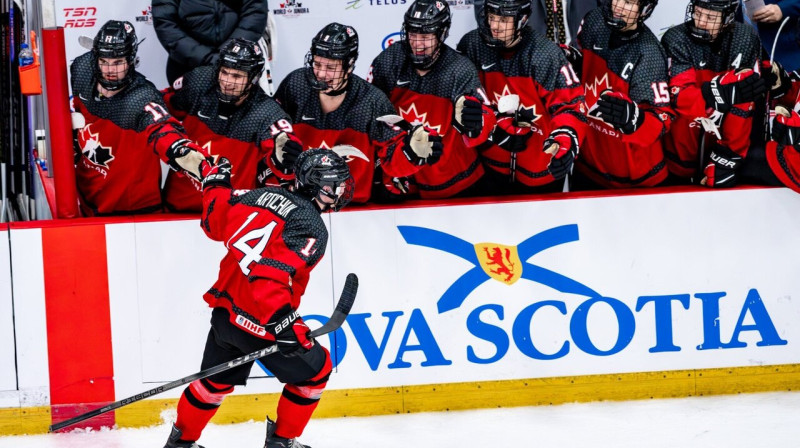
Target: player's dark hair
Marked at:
240, 54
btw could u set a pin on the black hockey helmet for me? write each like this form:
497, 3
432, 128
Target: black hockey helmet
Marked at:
321, 172
116, 39
646, 8
335, 41
519, 9
728, 9
240, 54
426, 17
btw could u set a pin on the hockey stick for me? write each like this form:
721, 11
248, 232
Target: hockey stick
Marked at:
337, 318
768, 111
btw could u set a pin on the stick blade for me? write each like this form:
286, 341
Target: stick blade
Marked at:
348, 293
343, 307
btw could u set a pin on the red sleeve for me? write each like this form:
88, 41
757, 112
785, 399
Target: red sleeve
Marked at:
565, 104
216, 203
393, 161
687, 98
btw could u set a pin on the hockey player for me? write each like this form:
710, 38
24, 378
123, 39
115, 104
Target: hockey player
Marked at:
274, 238
123, 129
515, 60
783, 151
714, 82
331, 106
626, 86
225, 112
431, 84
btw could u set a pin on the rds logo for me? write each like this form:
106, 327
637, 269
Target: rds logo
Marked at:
651, 314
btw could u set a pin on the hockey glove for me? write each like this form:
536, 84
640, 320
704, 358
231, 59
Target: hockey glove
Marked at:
563, 145
741, 87
291, 334
287, 148
510, 136
786, 127
617, 110
186, 157
422, 146
574, 57
218, 175
721, 171
776, 79
469, 116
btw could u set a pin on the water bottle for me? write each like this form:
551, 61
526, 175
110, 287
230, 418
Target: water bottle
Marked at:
25, 55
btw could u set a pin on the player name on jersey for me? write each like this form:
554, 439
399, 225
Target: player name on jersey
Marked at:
276, 202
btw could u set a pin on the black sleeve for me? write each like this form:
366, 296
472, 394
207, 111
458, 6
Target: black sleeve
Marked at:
283, 97
252, 20
180, 46
185, 92
378, 76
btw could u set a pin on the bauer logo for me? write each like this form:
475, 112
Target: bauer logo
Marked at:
390, 39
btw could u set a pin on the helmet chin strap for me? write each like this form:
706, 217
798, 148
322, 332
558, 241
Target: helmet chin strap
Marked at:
339, 91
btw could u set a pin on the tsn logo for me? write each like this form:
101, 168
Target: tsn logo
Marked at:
80, 17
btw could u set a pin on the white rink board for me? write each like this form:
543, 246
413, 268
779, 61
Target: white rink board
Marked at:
692, 244
8, 373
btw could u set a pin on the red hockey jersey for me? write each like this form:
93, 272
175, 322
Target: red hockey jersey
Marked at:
125, 135
634, 65
429, 100
536, 70
691, 65
274, 239
243, 134
353, 123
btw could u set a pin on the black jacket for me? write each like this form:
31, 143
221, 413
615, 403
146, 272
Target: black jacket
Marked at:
193, 30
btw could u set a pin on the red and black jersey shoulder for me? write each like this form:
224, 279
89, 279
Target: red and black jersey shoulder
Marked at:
127, 108
637, 62
301, 220
534, 57
738, 48
363, 103
454, 74
249, 122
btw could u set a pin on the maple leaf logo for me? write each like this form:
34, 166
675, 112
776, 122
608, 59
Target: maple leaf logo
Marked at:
412, 116
92, 149
531, 109
599, 86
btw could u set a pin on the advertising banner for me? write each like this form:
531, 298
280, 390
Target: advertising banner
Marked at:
487, 292
378, 23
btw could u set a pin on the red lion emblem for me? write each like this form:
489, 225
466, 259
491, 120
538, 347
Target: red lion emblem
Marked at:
502, 261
